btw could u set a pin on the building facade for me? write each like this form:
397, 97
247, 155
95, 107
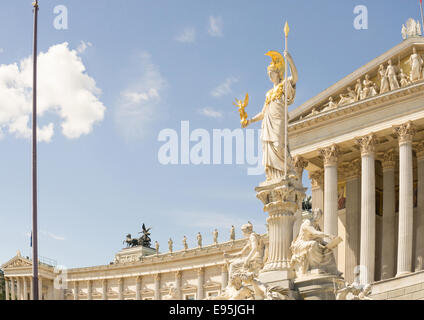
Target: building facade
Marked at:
361, 142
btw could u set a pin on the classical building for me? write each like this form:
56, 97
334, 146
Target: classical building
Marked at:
362, 143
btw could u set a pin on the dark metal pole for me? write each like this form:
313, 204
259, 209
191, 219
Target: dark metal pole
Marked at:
34, 164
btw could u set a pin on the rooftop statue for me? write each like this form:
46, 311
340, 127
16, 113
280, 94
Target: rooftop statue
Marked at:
145, 240
130, 241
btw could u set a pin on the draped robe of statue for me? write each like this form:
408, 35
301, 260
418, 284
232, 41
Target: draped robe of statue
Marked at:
273, 129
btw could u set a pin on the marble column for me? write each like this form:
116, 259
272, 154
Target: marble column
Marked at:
299, 165
419, 223
157, 286
330, 157
76, 290
138, 288
12, 289
7, 284
25, 289
121, 289
31, 293
200, 283
19, 288
104, 289
405, 135
224, 277
389, 207
178, 284
89, 290
40, 288
353, 218
367, 251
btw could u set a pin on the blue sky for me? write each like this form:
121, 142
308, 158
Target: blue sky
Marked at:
155, 64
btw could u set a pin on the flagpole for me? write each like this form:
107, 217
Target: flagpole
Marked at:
422, 16
286, 32
34, 163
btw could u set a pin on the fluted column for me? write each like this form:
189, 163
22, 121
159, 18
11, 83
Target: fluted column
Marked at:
40, 288
19, 288
389, 207
89, 290
138, 288
200, 283
12, 288
76, 290
367, 254
31, 294
104, 289
178, 284
7, 284
419, 223
299, 165
157, 286
25, 289
330, 157
353, 217
224, 277
405, 135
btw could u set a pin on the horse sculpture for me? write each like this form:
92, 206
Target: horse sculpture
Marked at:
131, 242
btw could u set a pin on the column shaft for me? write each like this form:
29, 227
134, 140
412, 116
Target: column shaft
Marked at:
25, 289
224, 277
89, 290
138, 288
12, 288
200, 283
104, 289
157, 287
7, 284
419, 227
388, 242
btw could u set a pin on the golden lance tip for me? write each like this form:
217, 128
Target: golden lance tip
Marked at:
287, 29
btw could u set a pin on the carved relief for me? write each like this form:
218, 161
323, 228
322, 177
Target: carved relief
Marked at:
317, 178
389, 159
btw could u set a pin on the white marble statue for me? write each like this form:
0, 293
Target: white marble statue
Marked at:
310, 251
404, 81
384, 85
185, 245
173, 294
199, 240
273, 115
358, 89
369, 89
412, 29
331, 105
170, 244
346, 291
250, 258
157, 247
416, 63
392, 76
232, 233
215, 237
404, 32
314, 112
348, 98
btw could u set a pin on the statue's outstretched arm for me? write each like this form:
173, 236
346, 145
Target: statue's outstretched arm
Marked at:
293, 69
259, 116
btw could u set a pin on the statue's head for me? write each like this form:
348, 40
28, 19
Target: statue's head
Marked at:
247, 229
276, 68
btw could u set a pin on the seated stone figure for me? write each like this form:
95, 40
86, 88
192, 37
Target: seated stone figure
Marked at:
310, 251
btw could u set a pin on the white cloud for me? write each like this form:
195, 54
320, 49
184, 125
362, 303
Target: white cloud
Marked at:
224, 88
209, 112
52, 235
187, 36
216, 26
140, 100
83, 46
64, 90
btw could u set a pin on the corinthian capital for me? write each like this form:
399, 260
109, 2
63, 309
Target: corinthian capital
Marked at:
317, 178
389, 159
367, 144
405, 132
330, 155
300, 162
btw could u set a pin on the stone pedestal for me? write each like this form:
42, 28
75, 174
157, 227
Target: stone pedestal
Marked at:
281, 200
133, 254
317, 286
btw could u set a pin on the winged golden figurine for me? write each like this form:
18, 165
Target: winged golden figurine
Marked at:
241, 105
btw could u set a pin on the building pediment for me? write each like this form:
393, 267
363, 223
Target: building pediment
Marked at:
17, 262
366, 84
